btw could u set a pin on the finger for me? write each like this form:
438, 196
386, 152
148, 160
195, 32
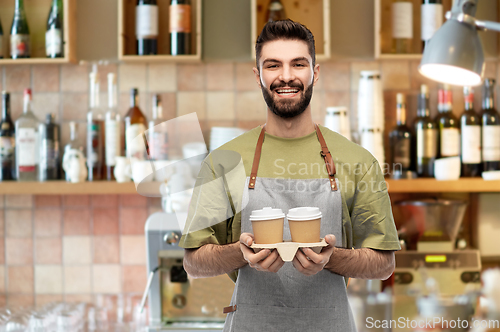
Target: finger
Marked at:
302, 258
246, 239
276, 265
331, 240
269, 260
296, 264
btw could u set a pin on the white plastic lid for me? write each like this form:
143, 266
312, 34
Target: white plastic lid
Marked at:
304, 213
266, 213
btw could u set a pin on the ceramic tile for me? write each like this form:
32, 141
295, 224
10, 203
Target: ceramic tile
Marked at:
77, 280
134, 278
48, 222
335, 76
76, 200
2, 204
106, 249
76, 222
162, 77
191, 77
19, 251
104, 70
76, 250
48, 279
16, 104
41, 300
18, 201
395, 75
47, 201
3, 279
75, 106
105, 221
130, 200
250, 106
357, 67
107, 201
337, 98
249, 125
19, 223
3, 297
17, 78
74, 78
220, 76
245, 77
317, 109
490, 70
20, 279
46, 103
220, 106
80, 298
169, 105
21, 300
189, 102
418, 79
133, 249
48, 250
2, 251
132, 76
132, 220
106, 279
45, 78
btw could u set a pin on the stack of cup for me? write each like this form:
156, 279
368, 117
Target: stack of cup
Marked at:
305, 224
337, 120
267, 225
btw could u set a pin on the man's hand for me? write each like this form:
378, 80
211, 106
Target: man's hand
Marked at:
264, 260
307, 262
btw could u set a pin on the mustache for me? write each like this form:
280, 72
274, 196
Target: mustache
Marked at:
278, 85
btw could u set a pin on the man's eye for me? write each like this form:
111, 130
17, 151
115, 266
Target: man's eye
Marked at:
272, 66
299, 65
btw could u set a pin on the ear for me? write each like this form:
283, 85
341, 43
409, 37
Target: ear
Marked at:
316, 73
257, 76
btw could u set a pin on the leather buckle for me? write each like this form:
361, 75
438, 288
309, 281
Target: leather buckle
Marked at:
227, 310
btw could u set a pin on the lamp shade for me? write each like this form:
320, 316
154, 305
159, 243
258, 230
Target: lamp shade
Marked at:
454, 55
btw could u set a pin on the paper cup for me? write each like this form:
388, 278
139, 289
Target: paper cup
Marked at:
267, 225
305, 224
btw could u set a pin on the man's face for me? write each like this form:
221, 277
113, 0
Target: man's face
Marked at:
286, 77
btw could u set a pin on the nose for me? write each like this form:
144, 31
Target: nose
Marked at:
287, 74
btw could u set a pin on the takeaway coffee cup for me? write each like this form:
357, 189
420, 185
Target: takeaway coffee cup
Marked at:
305, 224
267, 225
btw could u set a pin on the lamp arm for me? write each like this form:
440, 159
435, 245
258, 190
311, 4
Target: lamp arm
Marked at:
487, 25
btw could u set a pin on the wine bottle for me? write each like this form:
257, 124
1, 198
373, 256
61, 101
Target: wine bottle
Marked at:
27, 148
157, 132
426, 136
431, 19
112, 125
95, 132
146, 27
54, 33
74, 142
449, 132
1, 41
180, 27
7, 140
275, 11
400, 138
19, 33
135, 126
402, 26
491, 128
470, 126
50, 138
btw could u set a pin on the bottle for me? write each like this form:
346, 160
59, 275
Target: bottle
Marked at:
54, 33
180, 27
27, 148
1, 41
491, 128
157, 132
400, 138
402, 26
74, 142
95, 132
146, 27
135, 126
449, 133
50, 138
112, 126
7, 140
19, 33
426, 134
275, 11
431, 19
470, 126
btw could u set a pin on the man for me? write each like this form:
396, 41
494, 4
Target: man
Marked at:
288, 163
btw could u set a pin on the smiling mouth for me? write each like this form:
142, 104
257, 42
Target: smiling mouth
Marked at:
287, 92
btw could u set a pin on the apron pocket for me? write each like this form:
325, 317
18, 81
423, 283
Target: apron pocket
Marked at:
261, 318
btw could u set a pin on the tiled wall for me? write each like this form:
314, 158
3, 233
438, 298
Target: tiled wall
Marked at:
73, 247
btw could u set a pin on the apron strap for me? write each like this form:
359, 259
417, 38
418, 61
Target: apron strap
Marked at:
256, 159
325, 153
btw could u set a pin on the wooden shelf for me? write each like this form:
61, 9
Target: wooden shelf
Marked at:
37, 12
66, 188
160, 58
464, 185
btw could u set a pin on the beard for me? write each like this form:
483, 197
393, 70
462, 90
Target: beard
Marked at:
287, 108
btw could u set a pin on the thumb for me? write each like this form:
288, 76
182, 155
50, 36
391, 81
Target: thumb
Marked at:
330, 239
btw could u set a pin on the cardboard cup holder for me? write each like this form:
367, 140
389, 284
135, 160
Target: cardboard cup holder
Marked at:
288, 249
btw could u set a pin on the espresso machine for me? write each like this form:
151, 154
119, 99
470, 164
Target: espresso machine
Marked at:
431, 266
177, 301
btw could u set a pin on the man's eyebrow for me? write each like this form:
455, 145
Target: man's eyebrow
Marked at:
301, 59
293, 60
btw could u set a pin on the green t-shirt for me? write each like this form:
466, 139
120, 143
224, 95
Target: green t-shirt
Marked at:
215, 204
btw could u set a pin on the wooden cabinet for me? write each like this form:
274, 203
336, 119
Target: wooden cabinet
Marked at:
37, 13
315, 14
127, 40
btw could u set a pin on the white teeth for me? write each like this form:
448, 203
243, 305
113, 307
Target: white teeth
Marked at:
287, 91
